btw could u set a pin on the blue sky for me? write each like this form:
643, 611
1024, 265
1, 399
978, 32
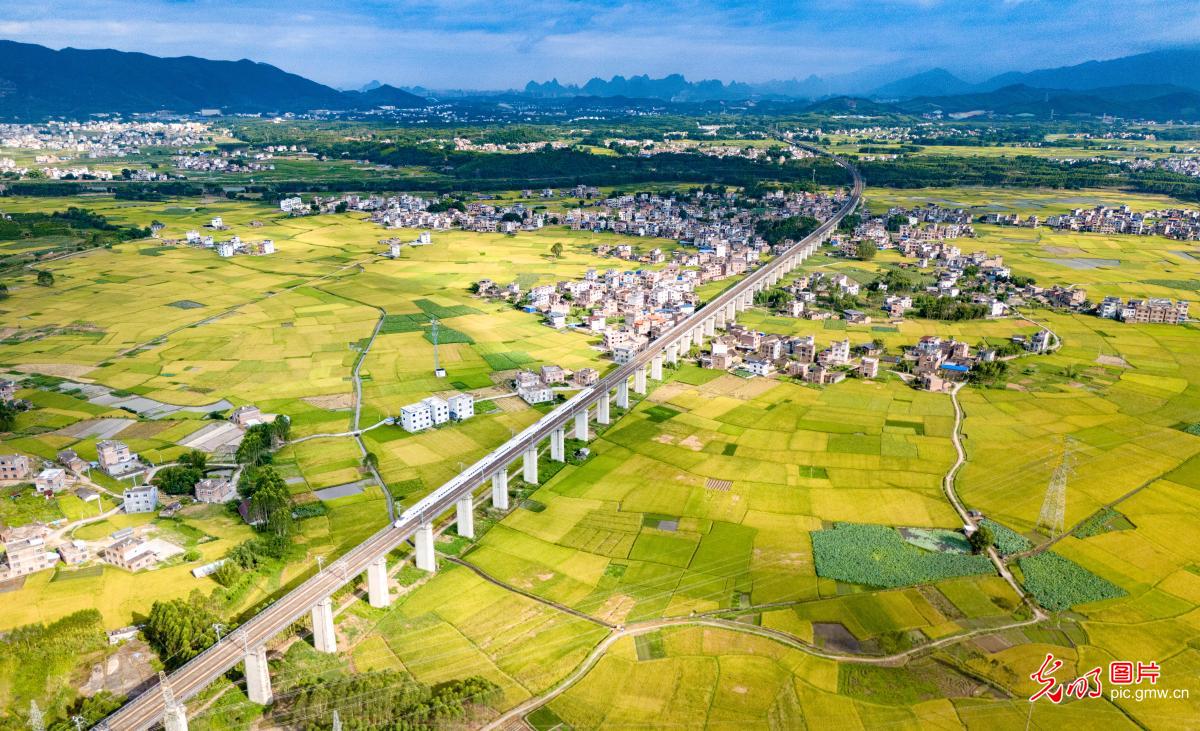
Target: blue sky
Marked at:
487, 44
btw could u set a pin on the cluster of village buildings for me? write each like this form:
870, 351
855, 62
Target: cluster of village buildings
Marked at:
38, 546
232, 246
1154, 310
464, 144
1175, 223
539, 387
219, 162
774, 153
102, 139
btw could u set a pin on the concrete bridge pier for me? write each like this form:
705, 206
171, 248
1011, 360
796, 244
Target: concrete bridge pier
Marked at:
710, 327
175, 718
639, 380
730, 314
558, 445
465, 518
602, 416
698, 335
529, 468
258, 677
581, 425
426, 560
719, 319
673, 353
500, 490
324, 637
623, 394
378, 593
656, 366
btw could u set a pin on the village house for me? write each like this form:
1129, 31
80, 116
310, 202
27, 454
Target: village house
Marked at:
28, 555
553, 374
74, 553
142, 499
215, 490
415, 417
868, 367
439, 409
759, 366
50, 481
586, 377
8, 391
533, 389
115, 458
130, 553
15, 467
72, 461
462, 406
246, 416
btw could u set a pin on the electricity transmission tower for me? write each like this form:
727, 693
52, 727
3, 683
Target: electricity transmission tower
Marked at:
174, 713
1054, 507
36, 721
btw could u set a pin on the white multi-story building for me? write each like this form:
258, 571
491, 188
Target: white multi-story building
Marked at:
439, 410
759, 366
287, 205
225, 249
462, 406
143, 499
415, 417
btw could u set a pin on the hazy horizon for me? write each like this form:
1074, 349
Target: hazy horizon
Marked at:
476, 45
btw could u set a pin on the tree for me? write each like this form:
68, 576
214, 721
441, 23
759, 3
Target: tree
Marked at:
45, 278
867, 250
180, 629
177, 479
557, 250
250, 451
370, 460
8, 416
982, 539
194, 458
270, 502
3, 291
281, 428
989, 373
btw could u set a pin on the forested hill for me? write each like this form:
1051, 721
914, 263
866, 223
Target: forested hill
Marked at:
38, 82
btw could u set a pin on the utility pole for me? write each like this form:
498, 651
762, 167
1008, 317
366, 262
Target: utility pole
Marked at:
437, 368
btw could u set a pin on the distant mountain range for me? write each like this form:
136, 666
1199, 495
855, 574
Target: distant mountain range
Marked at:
1174, 67
37, 82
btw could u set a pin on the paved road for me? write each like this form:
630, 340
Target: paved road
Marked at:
146, 709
